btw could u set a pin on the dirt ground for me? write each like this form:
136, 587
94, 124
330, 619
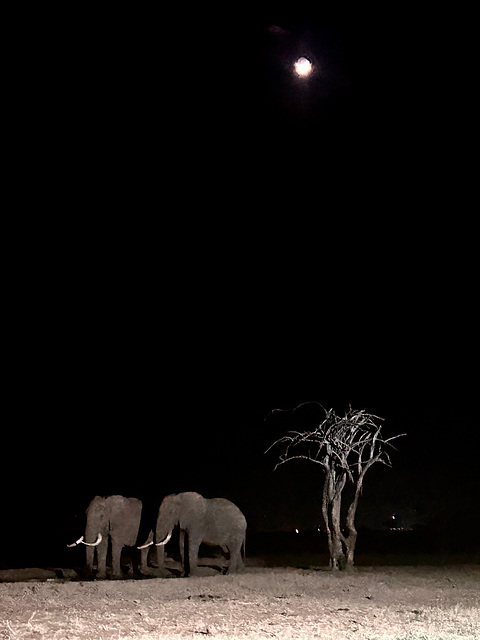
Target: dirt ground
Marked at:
414, 603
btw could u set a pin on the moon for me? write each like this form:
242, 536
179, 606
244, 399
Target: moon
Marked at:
303, 67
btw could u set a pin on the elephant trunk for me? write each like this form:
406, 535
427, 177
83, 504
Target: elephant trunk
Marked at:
89, 544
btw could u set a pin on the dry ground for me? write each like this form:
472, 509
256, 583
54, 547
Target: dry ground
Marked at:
414, 603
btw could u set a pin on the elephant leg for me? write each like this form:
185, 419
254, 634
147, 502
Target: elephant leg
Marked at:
102, 559
193, 547
236, 561
116, 555
182, 551
160, 558
144, 560
90, 555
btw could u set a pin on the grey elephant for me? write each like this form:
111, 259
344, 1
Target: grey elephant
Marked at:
117, 518
214, 521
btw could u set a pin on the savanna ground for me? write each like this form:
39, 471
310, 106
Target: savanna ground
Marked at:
401, 603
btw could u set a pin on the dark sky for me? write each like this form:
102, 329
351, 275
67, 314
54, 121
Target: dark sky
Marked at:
199, 238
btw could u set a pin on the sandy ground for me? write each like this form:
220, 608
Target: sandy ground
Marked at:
415, 603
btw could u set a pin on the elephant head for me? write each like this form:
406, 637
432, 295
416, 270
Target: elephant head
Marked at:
183, 509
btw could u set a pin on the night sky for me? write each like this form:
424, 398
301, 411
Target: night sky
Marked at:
198, 237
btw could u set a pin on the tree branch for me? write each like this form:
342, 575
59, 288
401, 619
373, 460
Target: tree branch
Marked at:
299, 457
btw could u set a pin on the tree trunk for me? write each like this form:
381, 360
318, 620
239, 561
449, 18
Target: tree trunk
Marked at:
326, 517
331, 510
351, 540
337, 559
351, 537
350, 543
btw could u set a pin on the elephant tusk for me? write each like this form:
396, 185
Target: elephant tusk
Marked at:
75, 543
144, 546
163, 542
93, 544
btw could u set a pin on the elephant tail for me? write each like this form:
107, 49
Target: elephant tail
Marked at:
243, 549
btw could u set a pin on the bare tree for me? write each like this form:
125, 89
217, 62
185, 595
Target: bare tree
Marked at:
345, 448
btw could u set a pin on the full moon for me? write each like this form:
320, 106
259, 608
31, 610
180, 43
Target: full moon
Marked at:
303, 67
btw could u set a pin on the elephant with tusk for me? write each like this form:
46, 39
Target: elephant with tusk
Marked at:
117, 519
213, 521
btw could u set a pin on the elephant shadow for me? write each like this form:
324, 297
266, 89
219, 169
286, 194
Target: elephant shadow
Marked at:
129, 565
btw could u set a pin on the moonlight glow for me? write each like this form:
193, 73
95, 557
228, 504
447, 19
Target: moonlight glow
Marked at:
303, 67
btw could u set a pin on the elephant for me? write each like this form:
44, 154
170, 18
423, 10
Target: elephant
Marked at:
214, 521
117, 518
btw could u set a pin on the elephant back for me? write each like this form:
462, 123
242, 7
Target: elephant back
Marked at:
227, 517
